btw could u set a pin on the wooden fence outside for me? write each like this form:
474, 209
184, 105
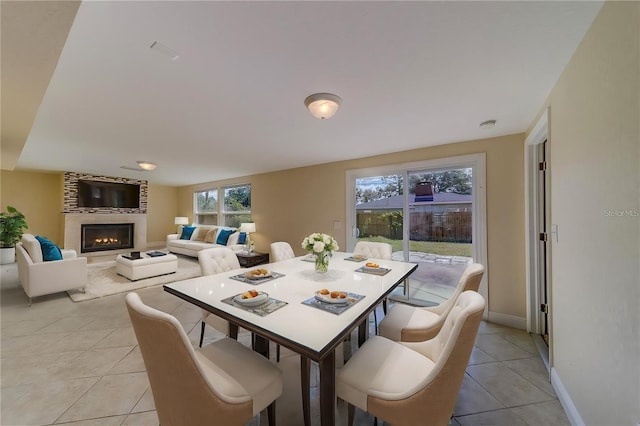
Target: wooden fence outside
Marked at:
453, 227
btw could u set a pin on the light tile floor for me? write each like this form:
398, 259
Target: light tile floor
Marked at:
78, 363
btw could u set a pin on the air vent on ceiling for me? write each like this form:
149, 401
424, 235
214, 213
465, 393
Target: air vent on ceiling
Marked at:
164, 50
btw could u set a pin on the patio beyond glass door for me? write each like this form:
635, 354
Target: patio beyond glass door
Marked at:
440, 204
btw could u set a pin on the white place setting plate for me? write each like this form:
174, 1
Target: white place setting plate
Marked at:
254, 301
255, 276
328, 299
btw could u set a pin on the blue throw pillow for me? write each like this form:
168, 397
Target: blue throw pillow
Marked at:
186, 232
223, 236
50, 251
242, 238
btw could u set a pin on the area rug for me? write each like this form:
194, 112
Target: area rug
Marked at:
102, 279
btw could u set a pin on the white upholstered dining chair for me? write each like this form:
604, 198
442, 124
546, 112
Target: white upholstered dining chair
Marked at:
373, 249
222, 383
413, 324
413, 383
377, 251
213, 261
281, 250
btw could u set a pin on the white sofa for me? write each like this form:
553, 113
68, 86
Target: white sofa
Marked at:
204, 237
38, 277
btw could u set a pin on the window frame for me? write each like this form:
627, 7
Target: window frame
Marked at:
221, 214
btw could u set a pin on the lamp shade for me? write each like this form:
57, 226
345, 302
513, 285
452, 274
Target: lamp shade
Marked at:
181, 220
323, 105
248, 227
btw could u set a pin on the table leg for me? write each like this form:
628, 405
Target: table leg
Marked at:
328, 390
305, 383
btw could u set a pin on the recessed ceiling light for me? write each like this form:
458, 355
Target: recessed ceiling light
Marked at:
166, 51
487, 124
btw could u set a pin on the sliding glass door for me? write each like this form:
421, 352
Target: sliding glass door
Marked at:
432, 213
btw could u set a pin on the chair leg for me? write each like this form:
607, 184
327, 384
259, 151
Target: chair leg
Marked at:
271, 413
350, 411
277, 353
202, 333
375, 319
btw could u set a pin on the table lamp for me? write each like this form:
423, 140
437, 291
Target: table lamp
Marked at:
181, 220
249, 228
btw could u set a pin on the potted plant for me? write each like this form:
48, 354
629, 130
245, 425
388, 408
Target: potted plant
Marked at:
12, 223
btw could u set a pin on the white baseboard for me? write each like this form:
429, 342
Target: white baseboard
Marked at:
565, 400
508, 320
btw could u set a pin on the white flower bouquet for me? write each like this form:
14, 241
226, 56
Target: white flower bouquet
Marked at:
321, 245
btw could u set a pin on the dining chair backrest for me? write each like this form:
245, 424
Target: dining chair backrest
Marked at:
374, 249
181, 390
217, 260
470, 280
281, 250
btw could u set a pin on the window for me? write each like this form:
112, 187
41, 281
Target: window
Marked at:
234, 208
206, 207
237, 205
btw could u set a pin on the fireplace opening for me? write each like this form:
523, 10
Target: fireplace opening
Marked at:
106, 236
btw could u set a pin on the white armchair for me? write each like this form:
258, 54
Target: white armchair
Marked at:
38, 277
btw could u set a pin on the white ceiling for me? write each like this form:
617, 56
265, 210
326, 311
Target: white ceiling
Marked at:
411, 75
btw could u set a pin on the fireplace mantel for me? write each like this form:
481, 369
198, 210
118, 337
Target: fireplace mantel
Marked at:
72, 231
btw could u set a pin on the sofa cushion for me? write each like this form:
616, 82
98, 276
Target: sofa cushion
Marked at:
187, 231
32, 246
211, 235
242, 238
223, 236
50, 251
200, 233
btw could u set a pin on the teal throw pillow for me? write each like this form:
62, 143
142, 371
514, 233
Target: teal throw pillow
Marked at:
186, 232
223, 236
242, 238
50, 251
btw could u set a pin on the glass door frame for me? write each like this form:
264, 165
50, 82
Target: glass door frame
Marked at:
479, 217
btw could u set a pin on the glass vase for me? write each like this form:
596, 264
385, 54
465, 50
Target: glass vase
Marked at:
322, 261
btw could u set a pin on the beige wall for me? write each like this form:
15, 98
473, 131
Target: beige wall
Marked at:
39, 197
595, 172
162, 205
288, 205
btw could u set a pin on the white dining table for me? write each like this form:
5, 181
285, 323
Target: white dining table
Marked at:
311, 332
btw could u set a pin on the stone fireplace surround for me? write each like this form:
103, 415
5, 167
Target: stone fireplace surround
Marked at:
75, 216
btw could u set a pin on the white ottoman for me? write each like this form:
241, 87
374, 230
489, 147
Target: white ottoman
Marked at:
146, 267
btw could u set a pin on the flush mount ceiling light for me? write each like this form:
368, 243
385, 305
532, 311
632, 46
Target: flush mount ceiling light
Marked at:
147, 165
487, 124
323, 105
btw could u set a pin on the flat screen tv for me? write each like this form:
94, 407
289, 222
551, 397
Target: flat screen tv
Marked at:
93, 193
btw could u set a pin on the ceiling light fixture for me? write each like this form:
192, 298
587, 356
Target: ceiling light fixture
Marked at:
323, 105
487, 124
147, 165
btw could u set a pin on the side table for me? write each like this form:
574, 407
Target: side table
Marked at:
248, 260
